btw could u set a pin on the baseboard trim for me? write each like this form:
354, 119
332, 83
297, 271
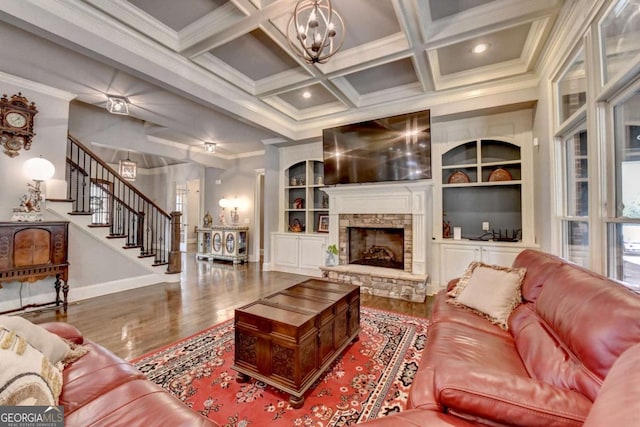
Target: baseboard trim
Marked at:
85, 292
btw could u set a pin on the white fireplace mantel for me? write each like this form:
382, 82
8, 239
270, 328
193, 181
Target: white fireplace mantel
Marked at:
414, 197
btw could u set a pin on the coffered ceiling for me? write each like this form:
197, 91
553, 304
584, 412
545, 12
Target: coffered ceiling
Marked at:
229, 63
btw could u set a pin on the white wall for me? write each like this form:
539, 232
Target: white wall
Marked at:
239, 181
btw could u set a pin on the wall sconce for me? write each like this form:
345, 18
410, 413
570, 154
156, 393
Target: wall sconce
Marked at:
117, 104
38, 169
209, 147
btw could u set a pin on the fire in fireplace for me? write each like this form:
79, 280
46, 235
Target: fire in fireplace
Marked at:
378, 247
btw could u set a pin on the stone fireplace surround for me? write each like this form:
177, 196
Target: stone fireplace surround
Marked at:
407, 204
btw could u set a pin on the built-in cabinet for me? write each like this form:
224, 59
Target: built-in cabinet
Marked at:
483, 184
305, 202
456, 256
225, 242
298, 253
300, 243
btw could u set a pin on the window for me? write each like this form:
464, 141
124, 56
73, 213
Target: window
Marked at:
181, 197
575, 205
572, 88
619, 37
624, 228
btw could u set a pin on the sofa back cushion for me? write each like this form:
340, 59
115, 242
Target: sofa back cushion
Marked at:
597, 318
539, 265
546, 357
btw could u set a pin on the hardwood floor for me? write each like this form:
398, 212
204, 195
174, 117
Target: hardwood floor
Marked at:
133, 323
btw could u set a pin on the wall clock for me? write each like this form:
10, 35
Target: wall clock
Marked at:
16, 123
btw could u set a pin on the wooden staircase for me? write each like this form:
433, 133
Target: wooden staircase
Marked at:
112, 210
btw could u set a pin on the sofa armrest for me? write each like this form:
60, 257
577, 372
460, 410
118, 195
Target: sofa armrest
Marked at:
508, 399
64, 330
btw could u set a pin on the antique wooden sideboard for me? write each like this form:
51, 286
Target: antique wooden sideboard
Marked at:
31, 251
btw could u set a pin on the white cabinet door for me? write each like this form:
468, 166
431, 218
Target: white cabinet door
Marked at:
455, 259
500, 255
311, 252
285, 250
298, 253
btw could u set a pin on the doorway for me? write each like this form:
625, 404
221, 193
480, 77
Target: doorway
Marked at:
188, 203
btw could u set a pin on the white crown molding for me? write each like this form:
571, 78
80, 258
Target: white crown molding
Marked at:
36, 87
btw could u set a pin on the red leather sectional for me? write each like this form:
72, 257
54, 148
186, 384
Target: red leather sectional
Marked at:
574, 330
101, 389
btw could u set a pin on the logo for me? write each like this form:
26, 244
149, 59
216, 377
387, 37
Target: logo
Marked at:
31, 416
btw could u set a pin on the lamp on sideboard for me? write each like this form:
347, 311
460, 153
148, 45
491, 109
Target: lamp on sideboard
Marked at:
39, 170
223, 203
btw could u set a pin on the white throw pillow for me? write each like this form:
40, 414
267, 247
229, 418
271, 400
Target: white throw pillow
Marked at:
493, 291
26, 375
51, 345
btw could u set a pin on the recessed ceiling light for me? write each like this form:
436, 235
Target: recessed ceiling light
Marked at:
480, 47
306, 94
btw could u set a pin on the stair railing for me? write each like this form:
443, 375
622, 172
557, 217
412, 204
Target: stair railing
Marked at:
132, 215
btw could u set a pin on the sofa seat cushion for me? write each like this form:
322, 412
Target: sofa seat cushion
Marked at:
455, 343
442, 311
516, 400
137, 403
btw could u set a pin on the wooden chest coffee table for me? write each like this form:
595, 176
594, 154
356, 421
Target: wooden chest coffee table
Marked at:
290, 338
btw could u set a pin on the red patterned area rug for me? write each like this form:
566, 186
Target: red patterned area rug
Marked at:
370, 380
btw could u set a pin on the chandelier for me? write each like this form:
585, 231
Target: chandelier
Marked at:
315, 30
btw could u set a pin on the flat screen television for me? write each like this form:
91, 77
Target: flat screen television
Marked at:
396, 148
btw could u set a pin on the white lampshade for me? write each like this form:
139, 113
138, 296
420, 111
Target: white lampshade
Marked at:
224, 203
38, 169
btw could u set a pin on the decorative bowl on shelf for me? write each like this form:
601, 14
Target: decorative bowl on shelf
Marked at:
458, 177
500, 175
296, 227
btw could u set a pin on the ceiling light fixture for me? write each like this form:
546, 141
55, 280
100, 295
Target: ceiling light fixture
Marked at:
480, 47
315, 30
128, 169
209, 147
117, 104
306, 94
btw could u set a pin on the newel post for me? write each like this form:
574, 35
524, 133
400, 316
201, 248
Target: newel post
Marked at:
175, 259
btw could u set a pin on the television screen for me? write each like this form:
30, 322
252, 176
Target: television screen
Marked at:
396, 148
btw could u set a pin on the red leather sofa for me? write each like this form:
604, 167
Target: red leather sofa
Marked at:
101, 389
569, 357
